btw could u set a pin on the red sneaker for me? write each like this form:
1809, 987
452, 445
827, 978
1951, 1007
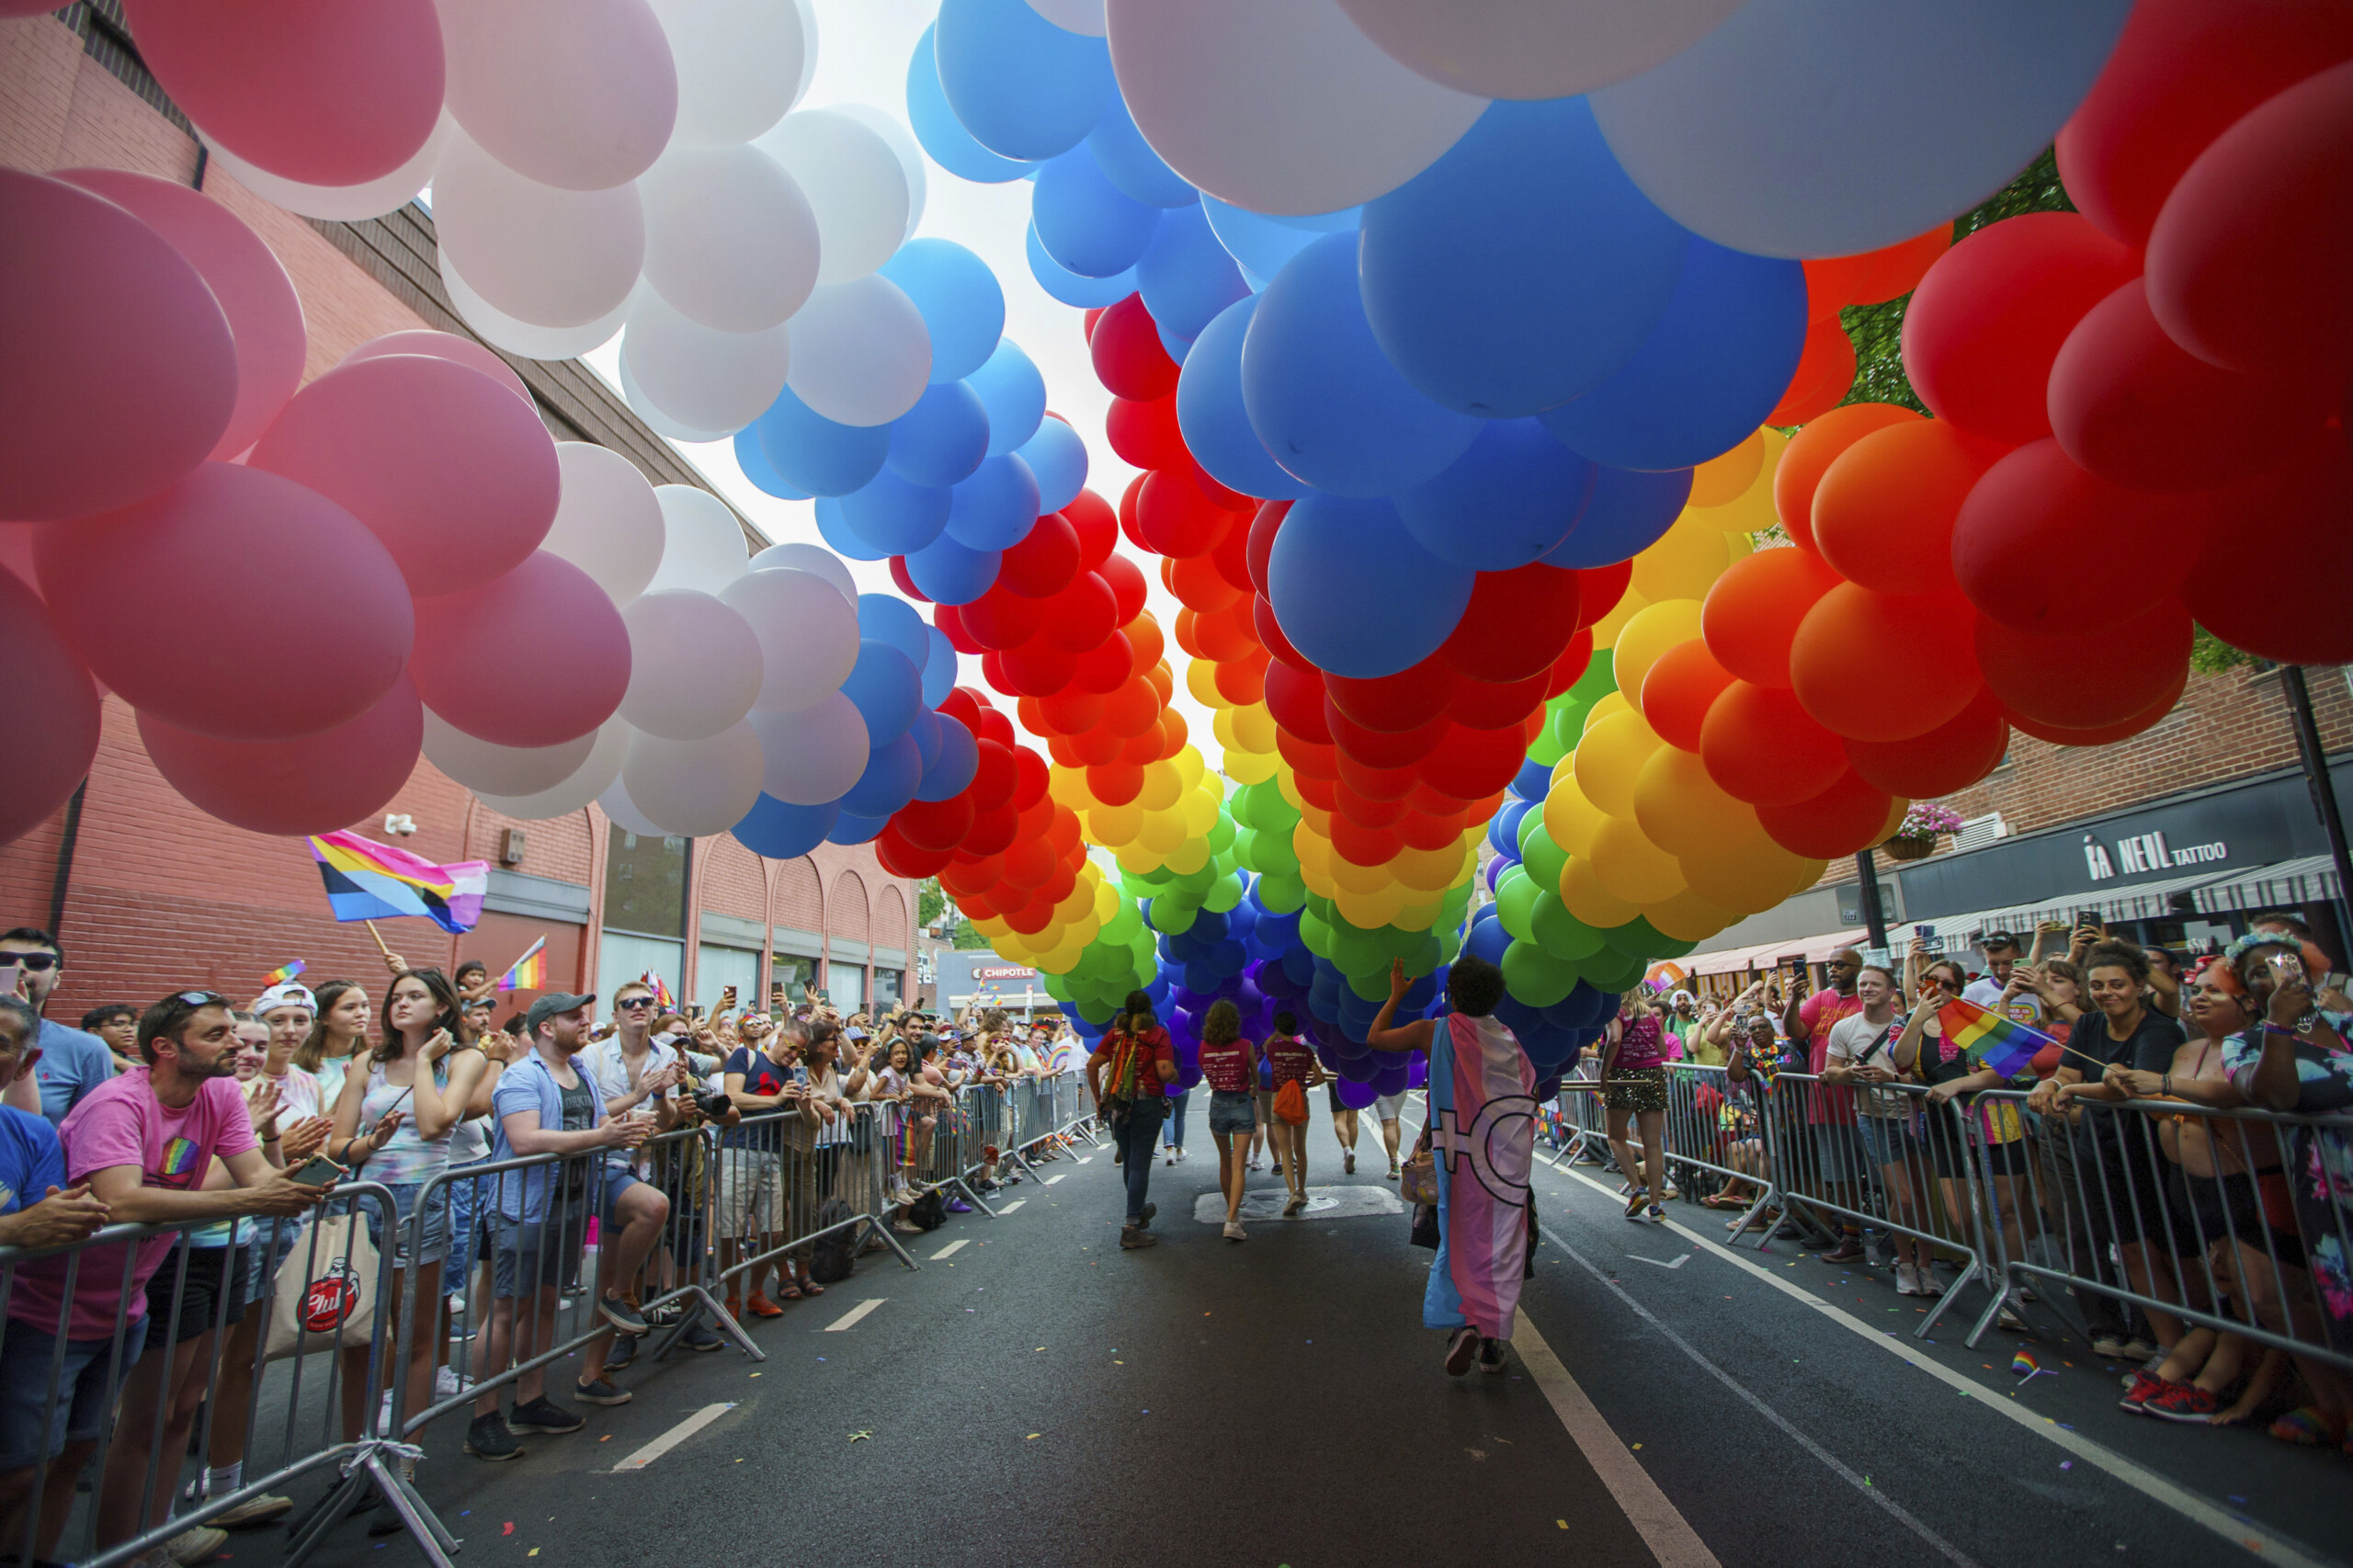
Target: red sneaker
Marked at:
2147, 1386
2181, 1402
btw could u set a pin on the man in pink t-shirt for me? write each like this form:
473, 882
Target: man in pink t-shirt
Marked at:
1835, 1166
143, 1142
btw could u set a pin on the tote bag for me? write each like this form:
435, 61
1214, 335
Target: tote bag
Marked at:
326, 1292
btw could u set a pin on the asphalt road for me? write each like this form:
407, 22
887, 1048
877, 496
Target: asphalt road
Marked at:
1037, 1398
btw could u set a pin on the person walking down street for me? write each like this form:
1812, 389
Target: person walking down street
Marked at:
1294, 1062
1482, 1113
1633, 1063
1128, 1076
1228, 1062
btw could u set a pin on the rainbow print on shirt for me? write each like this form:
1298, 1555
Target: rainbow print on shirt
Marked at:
183, 1161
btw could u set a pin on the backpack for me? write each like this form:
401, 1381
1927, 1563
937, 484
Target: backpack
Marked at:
830, 1256
929, 1211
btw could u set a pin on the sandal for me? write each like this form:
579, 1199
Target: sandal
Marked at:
1718, 1200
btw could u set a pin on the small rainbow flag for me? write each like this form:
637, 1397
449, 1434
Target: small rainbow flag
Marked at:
1666, 974
2002, 1044
662, 998
366, 881
529, 972
2024, 1364
281, 974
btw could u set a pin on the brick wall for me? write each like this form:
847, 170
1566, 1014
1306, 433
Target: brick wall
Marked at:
848, 914
799, 899
728, 880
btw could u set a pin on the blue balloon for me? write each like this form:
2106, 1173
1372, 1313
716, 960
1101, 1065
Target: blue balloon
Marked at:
941, 134
809, 452
996, 507
1130, 162
941, 439
1057, 460
756, 467
1535, 781
1023, 88
1210, 413
1355, 594
1176, 348
1012, 391
947, 573
839, 536
1323, 397
783, 832
938, 667
1488, 940
951, 774
894, 516
1261, 245
1083, 221
925, 731
1708, 374
1060, 283
848, 829
1522, 267
886, 691
890, 779
1186, 275
1625, 516
1503, 832
886, 617
961, 303
1514, 496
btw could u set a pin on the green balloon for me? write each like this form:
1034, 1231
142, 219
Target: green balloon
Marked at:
1676, 949
1124, 927
1221, 833
1056, 986
1224, 894
1623, 977
1515, 895
1561, 934
1372, 984
1545, 860
1355, 953
1172, 918
1638, 938
1534, 977
1449, 943
1566, 727
1281, 893
1546, 747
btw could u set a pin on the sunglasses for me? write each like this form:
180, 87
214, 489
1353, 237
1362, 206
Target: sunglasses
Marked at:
634, 1003
37, 964
202, 998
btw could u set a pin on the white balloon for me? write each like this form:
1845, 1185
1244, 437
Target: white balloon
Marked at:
739, 66
1535, 48
662, 424
1278, 106
545, 255
815, 558
1805, 127
590, 779
1073, 15
856, 185
814, 755
580, 94
861, 352
694, 789
694, 665
622, 809
609, 521
506, 770
703, 545
730, 239
910, 151
807, 635
338, 203
500, 330
701, 378
807, 9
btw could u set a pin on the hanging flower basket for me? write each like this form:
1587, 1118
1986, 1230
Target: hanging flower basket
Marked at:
1911, 847
1916, 837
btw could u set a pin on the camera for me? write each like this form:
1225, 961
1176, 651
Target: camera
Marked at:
712, 1103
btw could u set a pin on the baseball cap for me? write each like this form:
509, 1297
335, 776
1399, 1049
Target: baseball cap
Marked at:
284, 995
548, 1006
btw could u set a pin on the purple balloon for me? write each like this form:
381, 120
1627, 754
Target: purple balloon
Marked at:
1355, 1096
1362, 1069
1417, 1072
1188, 1075
1496, 870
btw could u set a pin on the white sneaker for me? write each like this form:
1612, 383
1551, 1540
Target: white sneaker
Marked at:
457, 1306
1907, 1281
195, 1544
1234, 1233
1930, 1285
447, 1384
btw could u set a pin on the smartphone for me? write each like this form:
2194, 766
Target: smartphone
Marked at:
2285, 968
8, 974
801, 1074
727, 997
2090, 917
317, 1171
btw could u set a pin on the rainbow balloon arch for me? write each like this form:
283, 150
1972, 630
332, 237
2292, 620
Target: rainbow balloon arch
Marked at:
1486, 373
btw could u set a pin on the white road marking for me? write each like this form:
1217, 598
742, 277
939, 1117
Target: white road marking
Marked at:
1009, 1207
673, 1436
2252, 1537
1655, 1262
1663, 1528
849, 1318
952, 1249
1352, 1202
1055, 1178
1084, 1158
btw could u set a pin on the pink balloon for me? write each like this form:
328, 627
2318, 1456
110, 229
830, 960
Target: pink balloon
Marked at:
252, 288
17, 553
456, 477
534, 659
235, 603
317, 784
446, 346
49, 710
121, 373
325, 92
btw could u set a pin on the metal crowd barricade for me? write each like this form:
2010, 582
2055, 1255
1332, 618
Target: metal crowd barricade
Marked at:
1705, 1126
1582, 1116
241, 1270
776, 1179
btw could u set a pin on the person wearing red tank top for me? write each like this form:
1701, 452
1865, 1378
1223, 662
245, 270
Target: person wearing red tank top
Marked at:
1229, 1064
1128, 1076
1293, 1062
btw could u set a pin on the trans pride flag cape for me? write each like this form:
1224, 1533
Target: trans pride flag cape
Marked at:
1483, 1103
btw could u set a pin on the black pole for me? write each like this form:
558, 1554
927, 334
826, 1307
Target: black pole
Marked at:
63, 877
2332, 821
1874, 914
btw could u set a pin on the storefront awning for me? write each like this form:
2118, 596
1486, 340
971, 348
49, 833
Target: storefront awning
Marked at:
2153, 901
2311, 879
1764, 955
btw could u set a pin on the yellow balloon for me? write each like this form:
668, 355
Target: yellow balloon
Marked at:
1570, 819
1256, 728
1192, 769
1683, 810
1248, 767
1348, 874
1687, 917
1740, 545
1162, 788
1314, 850
1631, 866
1723, 479
1368, 909
1112, 826
1417, 916
1895, 809
1201, 680
1588, 900
1604, 634
1106, 901
1609, 702
1199, 809
1429, 871
1684, 560
1610, 757
1136, 858
993, 926
1189, 858
1288, 787
1067, 786
1746, 877
1752, 510
1646, 637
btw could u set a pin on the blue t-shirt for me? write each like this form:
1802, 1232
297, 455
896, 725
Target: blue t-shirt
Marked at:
31, 1159
71, 1064
761, 1076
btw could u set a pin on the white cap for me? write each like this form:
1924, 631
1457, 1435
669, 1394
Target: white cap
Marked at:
1681, 997
285, 994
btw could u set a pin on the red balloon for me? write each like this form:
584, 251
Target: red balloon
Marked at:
1599, 590
1825, 373
1364, 845
1295, 697
1131, 710
1677, 693
992, 831
906, 583
1884, 510
1469, 762
1197, 583
1128, 587
1174, 518
935, 824
2134, 407
315, 784
122, 372
2251, 261
1144, 435
1406, 700
1307, 759
1570, 667
964, 705
1761, 746
1129, 357
1115, 784
1811, 451
1378, 783
995, 726
1752, 611
2104, 734
1231, 554
1516, 624
2301, 554
1264, 525
1385, 749
1079, 618
534, 658
901, 859
1953, 755
1986, 321
1104, 668
949, 619
339, 628
1364, 811
999, 618
1490, 705
1848, 816
1045, 561
2182, 72
1038, 667
2040, 544
992, 776
1097, 528
1852, 631
2082, 680
1270, 635
48, 710
1421, 830
1031, 777
1028, 863
1871, 277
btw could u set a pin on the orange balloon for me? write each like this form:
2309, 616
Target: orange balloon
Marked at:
1851, 631
1825, 374
1761, 746
1675, 694
1811, 451
1848, 816
1871, 277
2086, 680
1752, 611
1883, 511
1953, 755
1725, 479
